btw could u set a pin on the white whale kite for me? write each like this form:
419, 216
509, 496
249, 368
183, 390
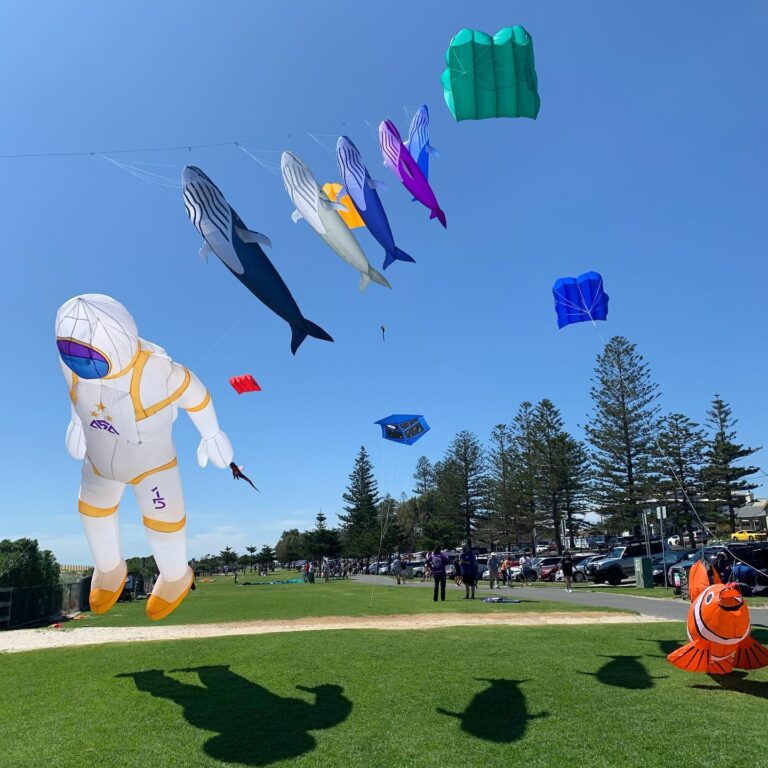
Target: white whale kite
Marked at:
321, 213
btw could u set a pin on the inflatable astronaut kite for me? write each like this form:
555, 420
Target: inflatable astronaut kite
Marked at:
125, 395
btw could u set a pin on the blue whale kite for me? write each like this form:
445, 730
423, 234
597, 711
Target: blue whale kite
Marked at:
225, 234
418, 140
361, 188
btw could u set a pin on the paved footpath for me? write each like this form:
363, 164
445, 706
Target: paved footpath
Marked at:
661, 608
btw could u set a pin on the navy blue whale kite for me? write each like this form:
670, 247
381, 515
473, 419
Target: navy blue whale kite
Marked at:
225, 234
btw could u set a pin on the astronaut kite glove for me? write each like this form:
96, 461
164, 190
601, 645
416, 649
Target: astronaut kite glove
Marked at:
75, 439
218, 449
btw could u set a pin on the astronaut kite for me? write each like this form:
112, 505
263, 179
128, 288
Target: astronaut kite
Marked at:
125, 395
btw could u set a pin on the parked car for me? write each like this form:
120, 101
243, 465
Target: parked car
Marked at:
619, 563
416, 568
582, 557
755, 554
546, 568
661, 563
749, 536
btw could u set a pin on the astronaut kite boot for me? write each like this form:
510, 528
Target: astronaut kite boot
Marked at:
167, 595
106, 587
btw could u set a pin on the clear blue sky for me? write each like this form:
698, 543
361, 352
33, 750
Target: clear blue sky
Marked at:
647, 164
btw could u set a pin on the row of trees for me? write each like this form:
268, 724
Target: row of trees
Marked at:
533, 474
230, 559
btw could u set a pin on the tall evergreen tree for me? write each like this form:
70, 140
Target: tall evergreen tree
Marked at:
464, 481
524, 465
360, 521
724, 475
576, 477
321, 541
682, 444
437, 523
502, 501
424, 476
621, 430
549, 459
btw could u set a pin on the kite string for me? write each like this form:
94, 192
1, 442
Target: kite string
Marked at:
670, 465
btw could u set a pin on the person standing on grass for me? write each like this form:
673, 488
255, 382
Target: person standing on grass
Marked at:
397, 569
467, 562
493, 571
567, 566
457, 570
525, 569
326, 571
437, 562
312, 572
427, 572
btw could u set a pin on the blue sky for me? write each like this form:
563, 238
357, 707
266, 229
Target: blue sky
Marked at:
647, 164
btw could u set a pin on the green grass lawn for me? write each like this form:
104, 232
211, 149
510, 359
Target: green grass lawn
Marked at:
492, 696
661, 592
222, 600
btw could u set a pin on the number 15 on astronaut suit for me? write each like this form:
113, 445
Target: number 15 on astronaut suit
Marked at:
125, 395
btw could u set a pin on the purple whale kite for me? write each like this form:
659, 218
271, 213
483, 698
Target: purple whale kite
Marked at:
361, 188
399, 160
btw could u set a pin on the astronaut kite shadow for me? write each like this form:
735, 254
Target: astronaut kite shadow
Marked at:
499, 713
624, 672
252, 725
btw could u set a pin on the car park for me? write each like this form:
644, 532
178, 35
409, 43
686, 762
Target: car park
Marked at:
619, 563
546, 568
578, 575
662, 563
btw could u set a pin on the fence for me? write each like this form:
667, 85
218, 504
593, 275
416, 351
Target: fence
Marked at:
25, 606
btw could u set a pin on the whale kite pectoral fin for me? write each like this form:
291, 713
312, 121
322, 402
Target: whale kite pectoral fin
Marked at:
205, 251
364, 280
247, 236
377, 185
330, 205
296, 216
432, 151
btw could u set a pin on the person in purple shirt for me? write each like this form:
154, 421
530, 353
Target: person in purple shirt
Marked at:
437, 562
468, 574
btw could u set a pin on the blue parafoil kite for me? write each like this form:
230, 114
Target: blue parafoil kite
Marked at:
580, 299
403, 428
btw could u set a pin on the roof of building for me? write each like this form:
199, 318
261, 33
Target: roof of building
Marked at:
758, 508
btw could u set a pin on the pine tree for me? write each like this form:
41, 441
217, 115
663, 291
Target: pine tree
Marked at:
576, 476
321, 541
724, 477
621, 433
523, 456
502, 501
464, 481
682, 444
437, 525
360, 521
549, 462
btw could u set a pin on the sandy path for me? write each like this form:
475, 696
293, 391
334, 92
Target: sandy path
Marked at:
15, 641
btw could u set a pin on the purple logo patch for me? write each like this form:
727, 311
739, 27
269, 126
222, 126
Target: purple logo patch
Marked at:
101, 424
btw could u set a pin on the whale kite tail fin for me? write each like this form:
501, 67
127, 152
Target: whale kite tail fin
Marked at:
397, 255
307, 328
438, 214
376, 276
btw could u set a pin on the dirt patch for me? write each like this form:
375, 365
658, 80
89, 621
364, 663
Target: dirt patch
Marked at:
16, 641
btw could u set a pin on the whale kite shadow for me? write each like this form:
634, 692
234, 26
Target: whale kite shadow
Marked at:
624, 672
499, 713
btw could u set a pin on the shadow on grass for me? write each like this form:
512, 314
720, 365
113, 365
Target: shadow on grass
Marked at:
665, 646
252, 725
499, 713
736, 681
624, 672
